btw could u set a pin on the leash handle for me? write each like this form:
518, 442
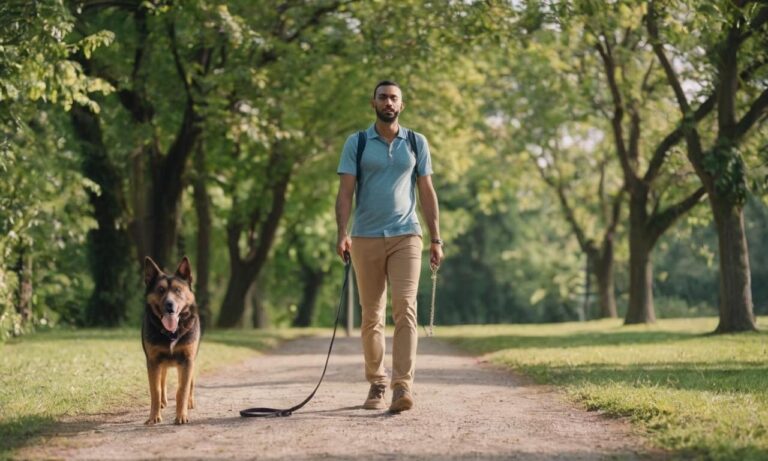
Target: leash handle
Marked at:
264, 412
434, 268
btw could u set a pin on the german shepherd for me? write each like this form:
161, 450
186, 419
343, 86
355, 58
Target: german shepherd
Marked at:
170, 335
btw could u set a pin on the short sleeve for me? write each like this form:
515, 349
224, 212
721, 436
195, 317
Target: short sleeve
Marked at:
348, 161
424, 168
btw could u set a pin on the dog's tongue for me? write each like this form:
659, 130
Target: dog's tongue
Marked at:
170, 322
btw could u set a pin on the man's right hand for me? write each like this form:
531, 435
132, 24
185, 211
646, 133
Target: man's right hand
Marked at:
343, 247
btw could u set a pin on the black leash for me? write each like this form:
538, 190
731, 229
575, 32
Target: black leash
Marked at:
261, 412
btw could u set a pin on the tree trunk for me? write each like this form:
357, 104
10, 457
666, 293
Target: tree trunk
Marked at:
603, 271
259, 313
233, 307
24, 290
138, 197
167, 187
640, 308
244, 271
313, 282
583, 312
203, 211
162, 225
109, 252
736, 309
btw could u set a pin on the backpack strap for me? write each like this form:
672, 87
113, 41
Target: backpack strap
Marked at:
361, 140
415, 150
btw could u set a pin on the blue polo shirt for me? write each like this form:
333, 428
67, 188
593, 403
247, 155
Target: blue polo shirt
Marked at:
386, 205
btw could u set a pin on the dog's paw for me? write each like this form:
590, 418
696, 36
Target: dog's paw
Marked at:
191, 404
181, 419
163, 402
154, 420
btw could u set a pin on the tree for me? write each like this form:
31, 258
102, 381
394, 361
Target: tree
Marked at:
138, 150
619, 58
545, 106
41, 197
735, 51
600, 256
265, 156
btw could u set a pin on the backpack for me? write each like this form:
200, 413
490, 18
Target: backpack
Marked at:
362, 139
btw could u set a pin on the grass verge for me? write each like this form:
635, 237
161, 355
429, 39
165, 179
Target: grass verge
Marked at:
699, 395
58, 373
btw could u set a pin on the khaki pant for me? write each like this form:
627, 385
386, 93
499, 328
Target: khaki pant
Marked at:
397, 261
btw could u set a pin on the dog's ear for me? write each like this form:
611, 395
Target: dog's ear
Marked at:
184, 271
151, 271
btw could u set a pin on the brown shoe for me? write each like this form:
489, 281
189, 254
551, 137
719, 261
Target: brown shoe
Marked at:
375, 400
401, 399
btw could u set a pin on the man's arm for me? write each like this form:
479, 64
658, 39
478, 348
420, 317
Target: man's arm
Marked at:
431, 212
347, 184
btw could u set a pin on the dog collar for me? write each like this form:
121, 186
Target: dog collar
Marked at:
172, 336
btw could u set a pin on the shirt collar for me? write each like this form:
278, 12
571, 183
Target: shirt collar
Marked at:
371, 132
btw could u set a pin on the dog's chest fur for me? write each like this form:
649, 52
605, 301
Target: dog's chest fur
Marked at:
162, 347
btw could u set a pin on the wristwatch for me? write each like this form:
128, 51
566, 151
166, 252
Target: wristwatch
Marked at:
438, 241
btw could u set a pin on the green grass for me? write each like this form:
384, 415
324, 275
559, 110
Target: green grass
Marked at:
697, 395
51, 374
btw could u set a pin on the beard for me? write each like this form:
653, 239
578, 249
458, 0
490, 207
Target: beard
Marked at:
385, 117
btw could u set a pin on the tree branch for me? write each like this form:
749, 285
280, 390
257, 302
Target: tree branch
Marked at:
177, 61
557, 186
269, 225
314, 19
644, 87
760, 19
756, 111
99, 4
658, 49
634, 135
660, 154
233, 239
664, 220
688, 126
615, 213
618, 113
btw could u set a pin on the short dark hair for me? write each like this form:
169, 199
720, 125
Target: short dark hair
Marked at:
385, 83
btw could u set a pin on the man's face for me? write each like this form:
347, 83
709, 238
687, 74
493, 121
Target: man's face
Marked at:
388, 103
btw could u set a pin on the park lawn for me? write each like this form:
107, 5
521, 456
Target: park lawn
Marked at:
697, 395
51, 374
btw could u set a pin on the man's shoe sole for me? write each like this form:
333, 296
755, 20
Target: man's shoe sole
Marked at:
402, 404
375, 405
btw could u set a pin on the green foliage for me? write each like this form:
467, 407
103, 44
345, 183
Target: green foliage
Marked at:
726, 164
42, 199
35, 58
498, 88
697, 396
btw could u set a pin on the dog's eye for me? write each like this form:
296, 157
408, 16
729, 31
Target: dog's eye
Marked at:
161, 290
177, 290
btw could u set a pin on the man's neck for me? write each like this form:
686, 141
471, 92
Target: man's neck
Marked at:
387, 130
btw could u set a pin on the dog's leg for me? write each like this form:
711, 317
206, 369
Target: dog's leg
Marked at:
183, 392
163, 388
191, 405
154, 371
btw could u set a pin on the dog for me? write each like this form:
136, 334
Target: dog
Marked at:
170, 336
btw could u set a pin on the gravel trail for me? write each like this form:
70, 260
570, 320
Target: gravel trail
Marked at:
465, 409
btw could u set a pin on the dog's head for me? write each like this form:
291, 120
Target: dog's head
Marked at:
169, 297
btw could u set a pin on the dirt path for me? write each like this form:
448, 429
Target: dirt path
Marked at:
465, 409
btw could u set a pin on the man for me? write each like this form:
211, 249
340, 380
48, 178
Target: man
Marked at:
385, 242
